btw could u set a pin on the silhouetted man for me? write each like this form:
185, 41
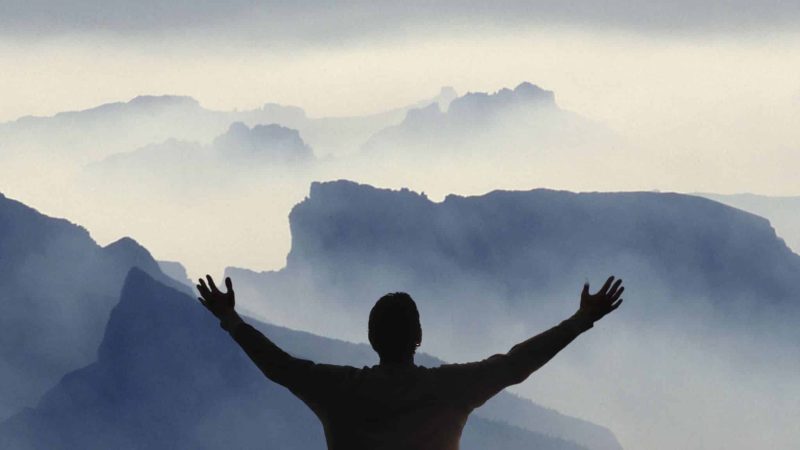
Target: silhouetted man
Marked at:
396, 404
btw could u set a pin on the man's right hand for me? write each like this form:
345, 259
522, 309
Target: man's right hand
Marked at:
607, 299
221, 304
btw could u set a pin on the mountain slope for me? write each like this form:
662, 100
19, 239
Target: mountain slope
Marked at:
58, 288
782, 212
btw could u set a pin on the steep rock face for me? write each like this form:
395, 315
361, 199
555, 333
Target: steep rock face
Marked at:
529, 240
58, 289
168, 377
782, 212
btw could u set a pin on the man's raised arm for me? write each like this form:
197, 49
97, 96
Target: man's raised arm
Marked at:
279, 366
526, 357
484, 379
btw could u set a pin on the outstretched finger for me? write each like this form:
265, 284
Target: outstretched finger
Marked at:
203, 288
585, 289
615, 305
229, 285
614, 288
617, 294
212, 285
604, 290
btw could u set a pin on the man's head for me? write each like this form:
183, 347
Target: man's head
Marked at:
394, 328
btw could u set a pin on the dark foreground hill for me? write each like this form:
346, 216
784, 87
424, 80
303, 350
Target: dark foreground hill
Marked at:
167, 377
58, 287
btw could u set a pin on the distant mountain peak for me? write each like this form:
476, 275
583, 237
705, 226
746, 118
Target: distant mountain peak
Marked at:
124, 244
534, 92
480, 103
272, 141
127, 249
287, 112
472, 107
163, 100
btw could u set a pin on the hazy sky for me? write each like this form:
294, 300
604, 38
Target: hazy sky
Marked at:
604, 59
715, 95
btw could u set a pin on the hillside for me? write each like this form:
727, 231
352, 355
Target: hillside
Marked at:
58, 288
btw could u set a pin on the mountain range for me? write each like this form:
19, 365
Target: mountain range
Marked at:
160, 153
710, 292
92, 134
524, 120
156, 371
180, 164
506, 247
58, 288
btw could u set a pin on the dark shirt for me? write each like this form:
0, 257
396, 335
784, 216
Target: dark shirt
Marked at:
401, 406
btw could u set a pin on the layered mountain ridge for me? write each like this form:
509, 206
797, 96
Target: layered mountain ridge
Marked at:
59, 288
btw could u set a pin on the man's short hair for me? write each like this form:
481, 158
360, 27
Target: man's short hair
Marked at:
394, 328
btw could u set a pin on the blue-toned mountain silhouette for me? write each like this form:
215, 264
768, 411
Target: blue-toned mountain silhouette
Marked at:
58, 289
176, 271
782, 212
523, 120
168, 377
353, 238
95, 133
183, 163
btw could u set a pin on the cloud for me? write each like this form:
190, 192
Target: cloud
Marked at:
316, 21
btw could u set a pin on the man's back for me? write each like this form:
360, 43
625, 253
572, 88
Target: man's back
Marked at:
392, 407
400, 406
